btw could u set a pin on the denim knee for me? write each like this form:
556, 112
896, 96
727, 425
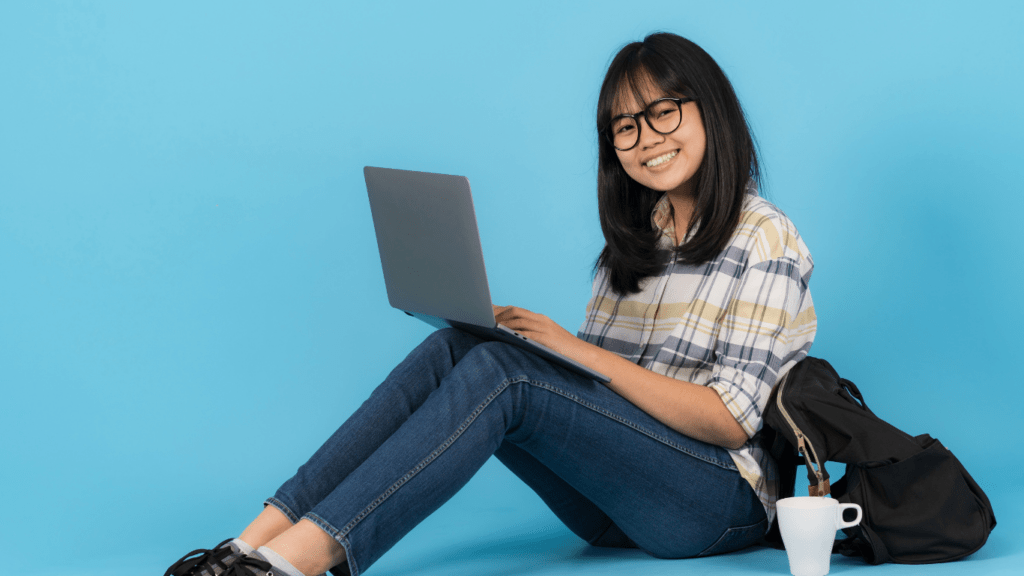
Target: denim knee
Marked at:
445, 335
448, 342
442, 339
494, 362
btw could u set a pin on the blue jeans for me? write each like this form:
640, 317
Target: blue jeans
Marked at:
614, 475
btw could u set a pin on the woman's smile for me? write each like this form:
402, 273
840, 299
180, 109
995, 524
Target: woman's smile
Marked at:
661, 160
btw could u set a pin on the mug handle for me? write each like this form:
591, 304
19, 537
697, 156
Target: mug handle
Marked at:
840, 524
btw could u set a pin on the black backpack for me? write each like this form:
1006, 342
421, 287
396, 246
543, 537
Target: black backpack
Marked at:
920, 504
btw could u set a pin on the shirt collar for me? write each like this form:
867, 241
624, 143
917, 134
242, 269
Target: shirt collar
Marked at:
661, 216
661, 219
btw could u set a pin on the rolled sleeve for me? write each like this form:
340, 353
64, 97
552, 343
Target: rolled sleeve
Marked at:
766, 328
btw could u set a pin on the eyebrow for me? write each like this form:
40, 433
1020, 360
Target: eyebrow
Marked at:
620, 110
663, 95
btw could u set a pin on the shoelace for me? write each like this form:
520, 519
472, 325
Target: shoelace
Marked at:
244, 567
191, 563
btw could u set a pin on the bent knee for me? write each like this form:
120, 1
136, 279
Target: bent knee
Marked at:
450, 341
448, 336
500, 357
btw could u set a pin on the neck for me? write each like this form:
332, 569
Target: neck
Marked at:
682, 212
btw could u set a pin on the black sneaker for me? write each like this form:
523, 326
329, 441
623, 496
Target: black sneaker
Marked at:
203, 562
250, 566
255, 565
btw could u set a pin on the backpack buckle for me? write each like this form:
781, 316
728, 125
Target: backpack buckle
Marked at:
823, 488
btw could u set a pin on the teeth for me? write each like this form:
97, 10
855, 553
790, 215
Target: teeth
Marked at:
661, 159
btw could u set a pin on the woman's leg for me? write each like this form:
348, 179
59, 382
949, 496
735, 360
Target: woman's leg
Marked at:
313, 551
575, 510
672, 496
307, 548
619, 478
265, 527
405, 388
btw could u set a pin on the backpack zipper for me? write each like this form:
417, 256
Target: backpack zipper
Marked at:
822, 488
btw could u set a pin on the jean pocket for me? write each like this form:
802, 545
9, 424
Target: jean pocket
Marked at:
737, 538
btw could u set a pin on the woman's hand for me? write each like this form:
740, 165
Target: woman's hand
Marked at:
537, 327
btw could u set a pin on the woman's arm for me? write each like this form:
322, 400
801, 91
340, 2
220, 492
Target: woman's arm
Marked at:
690, 409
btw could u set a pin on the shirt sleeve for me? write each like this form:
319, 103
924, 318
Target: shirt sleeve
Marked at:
766, 328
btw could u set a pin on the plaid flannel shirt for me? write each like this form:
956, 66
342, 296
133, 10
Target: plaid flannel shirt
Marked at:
736, 324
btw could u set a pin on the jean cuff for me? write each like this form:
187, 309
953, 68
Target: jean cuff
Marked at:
283, 508
347, 568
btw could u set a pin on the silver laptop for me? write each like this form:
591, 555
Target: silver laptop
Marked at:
433, 264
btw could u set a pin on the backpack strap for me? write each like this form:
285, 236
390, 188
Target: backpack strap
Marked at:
818, 477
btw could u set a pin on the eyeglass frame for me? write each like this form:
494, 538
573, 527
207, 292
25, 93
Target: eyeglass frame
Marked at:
679, 105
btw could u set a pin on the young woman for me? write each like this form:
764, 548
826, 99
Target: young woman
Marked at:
700, 305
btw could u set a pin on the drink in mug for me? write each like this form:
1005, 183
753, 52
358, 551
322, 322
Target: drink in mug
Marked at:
808, 525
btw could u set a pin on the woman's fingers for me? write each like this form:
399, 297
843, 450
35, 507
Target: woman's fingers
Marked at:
510, 312
518, 319
537, 327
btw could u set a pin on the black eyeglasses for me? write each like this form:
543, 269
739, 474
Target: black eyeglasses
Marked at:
663, 116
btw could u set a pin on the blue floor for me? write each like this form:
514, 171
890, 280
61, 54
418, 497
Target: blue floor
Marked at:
476, 536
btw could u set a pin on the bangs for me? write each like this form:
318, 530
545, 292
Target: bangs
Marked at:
636, 74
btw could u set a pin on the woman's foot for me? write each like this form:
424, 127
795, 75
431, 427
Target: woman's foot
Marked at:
211, 562
251, 566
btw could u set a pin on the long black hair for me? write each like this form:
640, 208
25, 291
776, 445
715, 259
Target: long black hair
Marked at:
678, 67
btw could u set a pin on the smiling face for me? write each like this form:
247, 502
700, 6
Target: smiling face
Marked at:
663, 162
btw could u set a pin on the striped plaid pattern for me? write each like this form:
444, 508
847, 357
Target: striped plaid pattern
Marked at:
736, 324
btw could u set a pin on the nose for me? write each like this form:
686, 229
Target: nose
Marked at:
648, 136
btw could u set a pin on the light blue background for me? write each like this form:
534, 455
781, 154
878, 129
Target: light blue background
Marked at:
191, 294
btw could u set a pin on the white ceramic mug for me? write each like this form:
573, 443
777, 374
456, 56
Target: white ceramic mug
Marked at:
808, 525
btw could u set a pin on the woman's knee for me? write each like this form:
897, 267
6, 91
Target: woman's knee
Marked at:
426, 365
448, 345
456, 339
486, 368
496, 359
447, 337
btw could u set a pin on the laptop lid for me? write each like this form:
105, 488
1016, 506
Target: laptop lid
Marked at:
429, 245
